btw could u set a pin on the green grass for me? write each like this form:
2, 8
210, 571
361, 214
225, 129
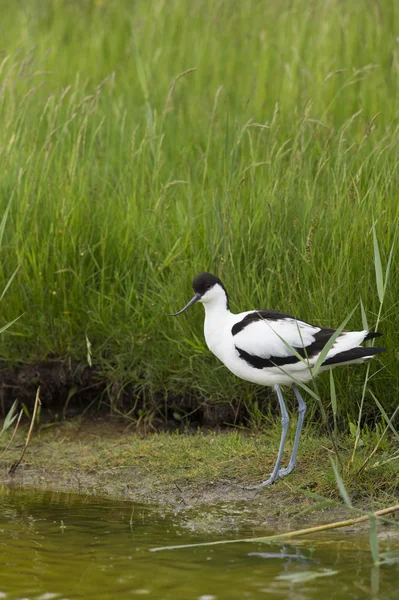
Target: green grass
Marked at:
143, 142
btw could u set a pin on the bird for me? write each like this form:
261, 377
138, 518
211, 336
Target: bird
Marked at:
274, 349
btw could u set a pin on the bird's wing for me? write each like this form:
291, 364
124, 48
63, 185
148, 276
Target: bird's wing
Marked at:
266, 338
268, 334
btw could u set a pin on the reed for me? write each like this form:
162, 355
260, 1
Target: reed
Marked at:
144, 142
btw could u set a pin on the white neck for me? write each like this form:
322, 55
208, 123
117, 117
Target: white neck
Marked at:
216, 316
217, 308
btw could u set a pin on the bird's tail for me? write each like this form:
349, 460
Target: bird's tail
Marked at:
372, 334
357, 354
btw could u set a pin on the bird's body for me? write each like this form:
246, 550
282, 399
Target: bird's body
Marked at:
255, 345
272, 348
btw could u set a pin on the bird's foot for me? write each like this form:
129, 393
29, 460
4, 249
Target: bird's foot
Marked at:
286, 471
273, 477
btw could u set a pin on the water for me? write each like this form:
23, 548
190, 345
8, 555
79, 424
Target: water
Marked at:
59, 546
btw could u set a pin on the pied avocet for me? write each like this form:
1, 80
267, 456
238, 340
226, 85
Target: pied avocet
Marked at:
273, 349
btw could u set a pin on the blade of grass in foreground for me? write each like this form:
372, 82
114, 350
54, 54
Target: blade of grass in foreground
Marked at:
7, 325
10, 418
364, 316
340, 484
9, 282
389, 425
385, 416
381, 284
330, 344
374, 539
379, 277
4, 220
333, 397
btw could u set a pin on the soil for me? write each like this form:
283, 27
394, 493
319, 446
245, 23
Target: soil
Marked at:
72, 387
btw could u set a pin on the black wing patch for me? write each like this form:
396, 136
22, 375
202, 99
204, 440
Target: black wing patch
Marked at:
259, 315
258, 362
353, 354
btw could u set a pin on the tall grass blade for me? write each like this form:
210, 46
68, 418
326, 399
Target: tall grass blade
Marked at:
322, 356
375, 582
340, 484
10, 418
378, 267
374, 547
9, 282
364, 317
385, 416
142, 77
388, 268
381, 290
5, 327
333, 397
4, 221
377, 445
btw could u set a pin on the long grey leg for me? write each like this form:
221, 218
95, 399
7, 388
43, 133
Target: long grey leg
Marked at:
301, 416
284, 422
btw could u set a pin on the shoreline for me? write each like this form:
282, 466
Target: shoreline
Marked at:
185, 472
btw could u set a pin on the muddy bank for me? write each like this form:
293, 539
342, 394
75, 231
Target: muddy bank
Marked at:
184, 472
69, 388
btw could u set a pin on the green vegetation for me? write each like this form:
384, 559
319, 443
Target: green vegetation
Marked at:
143, 142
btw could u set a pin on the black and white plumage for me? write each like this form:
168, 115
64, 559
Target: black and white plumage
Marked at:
258, 346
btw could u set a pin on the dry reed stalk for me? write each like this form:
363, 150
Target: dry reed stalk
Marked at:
15, 465
290, 534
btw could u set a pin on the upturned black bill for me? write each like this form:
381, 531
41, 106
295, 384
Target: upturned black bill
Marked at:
195, 299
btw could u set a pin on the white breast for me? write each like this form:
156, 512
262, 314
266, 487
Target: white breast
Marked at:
218, 336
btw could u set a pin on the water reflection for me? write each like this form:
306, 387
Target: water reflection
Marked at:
59, 546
